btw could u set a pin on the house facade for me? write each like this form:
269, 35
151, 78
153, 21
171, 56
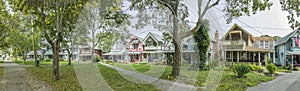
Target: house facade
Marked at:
135, 48
240, 46
288, 49
117, 53
153, 47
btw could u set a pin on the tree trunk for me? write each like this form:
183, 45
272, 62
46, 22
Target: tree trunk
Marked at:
15, 55
24, 57
93, 47
69, 56
177, 44
55, 50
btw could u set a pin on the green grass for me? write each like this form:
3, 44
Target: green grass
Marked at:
68, 80
32, 62
141, 67
230, 82
1, 61
118, 83
284, 70
188, 76
1, 71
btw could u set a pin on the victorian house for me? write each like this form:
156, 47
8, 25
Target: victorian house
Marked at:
288, 49
240, 46
153, 47
117, 53
135, 48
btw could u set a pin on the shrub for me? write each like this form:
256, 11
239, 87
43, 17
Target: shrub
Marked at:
271, 68
142, 63
241, 69
260, 70
47, 60
97, 59
253, 67
109, 62
289, 67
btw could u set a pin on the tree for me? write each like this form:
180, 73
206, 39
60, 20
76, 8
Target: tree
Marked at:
292, 7
233, 8
3, 25
52, 18
276, 38
101, 16
107, 39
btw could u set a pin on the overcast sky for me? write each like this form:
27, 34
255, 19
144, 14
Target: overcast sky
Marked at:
271, 22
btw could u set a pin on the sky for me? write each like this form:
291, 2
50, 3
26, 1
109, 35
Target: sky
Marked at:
272, 22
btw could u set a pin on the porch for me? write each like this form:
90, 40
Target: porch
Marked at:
252, 57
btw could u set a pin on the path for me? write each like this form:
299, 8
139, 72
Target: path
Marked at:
287, 82
162, 84
16, 78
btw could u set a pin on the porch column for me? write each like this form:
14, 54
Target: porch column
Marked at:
238, 56
225, 56
269, 56
259, 59
274, 57
231, 56
253, 56
192, 58
292, 61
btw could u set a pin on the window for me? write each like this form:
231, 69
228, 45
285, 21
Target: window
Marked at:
261, 44
135, 46
191, 44
266, 44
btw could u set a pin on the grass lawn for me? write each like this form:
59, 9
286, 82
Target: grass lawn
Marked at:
1, 61
118, 83
68, 80
32, 62
188, 76
229, 81
1, 71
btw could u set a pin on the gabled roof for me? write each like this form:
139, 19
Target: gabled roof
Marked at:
156, 37
237, 26
285, 38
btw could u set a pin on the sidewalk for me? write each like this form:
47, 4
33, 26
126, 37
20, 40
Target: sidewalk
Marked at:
287, 82
16, 78
162, 84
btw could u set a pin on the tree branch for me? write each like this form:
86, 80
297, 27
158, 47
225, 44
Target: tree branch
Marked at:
168, 6
201, 15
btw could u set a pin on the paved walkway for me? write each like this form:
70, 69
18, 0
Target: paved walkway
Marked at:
162, 84
287, 82
16, 78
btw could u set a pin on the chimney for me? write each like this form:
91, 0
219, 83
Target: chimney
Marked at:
216, 46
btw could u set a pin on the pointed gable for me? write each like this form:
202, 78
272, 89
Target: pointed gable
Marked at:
237, 29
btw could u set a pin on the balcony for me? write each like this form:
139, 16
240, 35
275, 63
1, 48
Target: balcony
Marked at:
239, 44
